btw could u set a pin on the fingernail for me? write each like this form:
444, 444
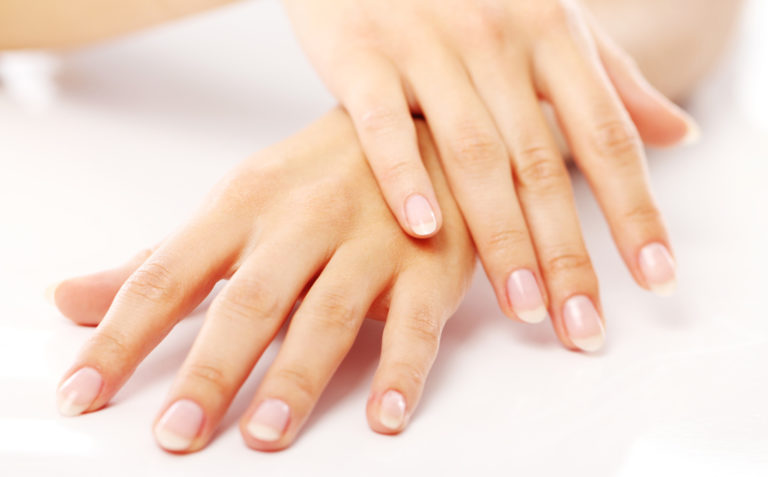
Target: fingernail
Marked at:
658, 268
392, 410
583, 323
525, 296
693, 132
78, 392
420, 216
50, 293
179, 426
268, 422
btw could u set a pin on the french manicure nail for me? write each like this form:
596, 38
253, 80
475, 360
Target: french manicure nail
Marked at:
420, 215
50, 293
693, 132
392, 410
658, 268
78, 392
179, 425
525, 296
583, 323
269, 421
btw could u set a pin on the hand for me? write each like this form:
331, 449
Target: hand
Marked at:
304, 214
476, 70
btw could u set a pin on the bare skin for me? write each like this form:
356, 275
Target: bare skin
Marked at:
476, 71
252, 230
658, 34
164, 283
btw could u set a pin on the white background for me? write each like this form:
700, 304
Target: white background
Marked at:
145, 125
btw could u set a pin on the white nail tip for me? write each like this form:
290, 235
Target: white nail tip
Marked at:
590, 344
68, 407
533, 316
263, 433
50, 294
693, 135
390, 422
170, 441
425, 228
665, 289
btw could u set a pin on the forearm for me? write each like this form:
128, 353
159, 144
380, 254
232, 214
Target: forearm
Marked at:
60, 24
675, 42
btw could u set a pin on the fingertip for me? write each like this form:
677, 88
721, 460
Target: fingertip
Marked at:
266, 429
79, 391
387, 412
83, 300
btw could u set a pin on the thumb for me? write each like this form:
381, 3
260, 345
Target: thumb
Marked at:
659, 121
86, 299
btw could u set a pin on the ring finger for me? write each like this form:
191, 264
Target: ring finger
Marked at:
544, 188
242, 321
477, 165
320, 335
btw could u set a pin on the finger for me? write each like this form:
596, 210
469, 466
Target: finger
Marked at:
659, 121
242, 321
375, 100
410, 342
545, 192
320, 335
86, 299
169, 284
608, 150
476, 163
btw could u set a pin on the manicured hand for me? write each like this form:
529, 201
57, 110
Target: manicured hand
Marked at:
304, 215
476, 70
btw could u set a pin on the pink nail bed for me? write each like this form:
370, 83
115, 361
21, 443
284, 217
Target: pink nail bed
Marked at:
583, 323
179, 426
420, 215
525, 296
78, 392
658, 269
392, 410
270, 420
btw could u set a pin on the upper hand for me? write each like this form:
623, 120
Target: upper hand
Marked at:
476, 70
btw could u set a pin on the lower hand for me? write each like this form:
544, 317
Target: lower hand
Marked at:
303, 214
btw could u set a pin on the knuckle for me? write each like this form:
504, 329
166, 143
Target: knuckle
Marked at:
382, 121
111, 345
395, 171
210, 376
331, 203
553, 16
247, 299
245, 187
506, 239
409, 374
567, 262
425, 325
615, 139
484, 27
474, 149
335, 313
540, 170
155, 282
643, 213
298, 379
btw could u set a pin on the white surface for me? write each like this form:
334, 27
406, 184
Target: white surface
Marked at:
145, 125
